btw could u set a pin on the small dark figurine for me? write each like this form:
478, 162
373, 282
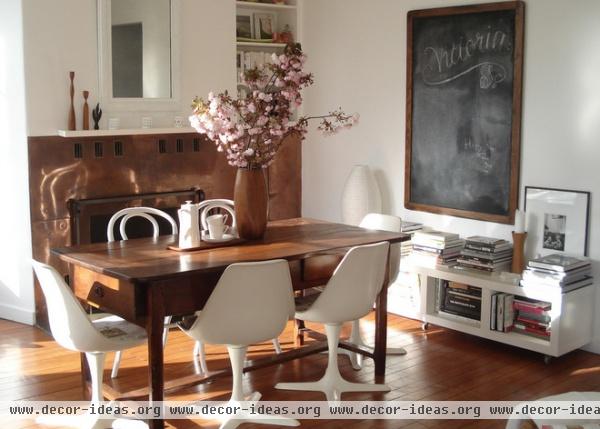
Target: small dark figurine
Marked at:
96, 115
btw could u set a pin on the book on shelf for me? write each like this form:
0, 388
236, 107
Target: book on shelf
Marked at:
458, 299
502, 314
487, 249
553, 277
531, 305
454, 250
559, 263
436, 236
485, 256
522, 329
408, 227
437, 245
562, 287
490, 242
464, 288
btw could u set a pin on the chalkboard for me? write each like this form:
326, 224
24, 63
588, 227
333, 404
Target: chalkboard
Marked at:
464, 71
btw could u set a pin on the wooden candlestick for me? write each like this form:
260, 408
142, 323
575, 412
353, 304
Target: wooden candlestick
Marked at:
86, 111
518, 259
72, 126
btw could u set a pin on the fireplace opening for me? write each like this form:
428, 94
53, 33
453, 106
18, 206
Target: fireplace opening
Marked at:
90, 217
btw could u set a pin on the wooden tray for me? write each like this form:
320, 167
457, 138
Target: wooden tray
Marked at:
204, 245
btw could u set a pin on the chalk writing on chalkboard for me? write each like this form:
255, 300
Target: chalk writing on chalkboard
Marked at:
462, 135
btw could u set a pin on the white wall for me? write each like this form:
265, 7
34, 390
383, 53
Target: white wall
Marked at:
16, 281
61, 35
357, 51
48, 39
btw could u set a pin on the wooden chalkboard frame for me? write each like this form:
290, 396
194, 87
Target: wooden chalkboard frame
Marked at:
515, 158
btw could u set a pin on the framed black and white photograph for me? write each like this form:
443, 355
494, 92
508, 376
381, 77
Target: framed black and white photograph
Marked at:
265, 24
244, 25
557, 221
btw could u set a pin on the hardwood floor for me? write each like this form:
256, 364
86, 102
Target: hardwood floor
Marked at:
440, 365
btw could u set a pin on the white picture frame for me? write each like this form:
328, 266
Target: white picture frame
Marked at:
265, 25
244, 26
557, 221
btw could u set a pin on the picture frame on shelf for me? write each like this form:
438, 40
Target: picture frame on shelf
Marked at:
265, 25
244, 25
557, 221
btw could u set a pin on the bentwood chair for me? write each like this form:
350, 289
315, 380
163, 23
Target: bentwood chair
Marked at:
349, 295
150, 214
205, 207
251, 303
74, 330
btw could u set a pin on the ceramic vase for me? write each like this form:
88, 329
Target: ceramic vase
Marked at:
251, 199
361, 195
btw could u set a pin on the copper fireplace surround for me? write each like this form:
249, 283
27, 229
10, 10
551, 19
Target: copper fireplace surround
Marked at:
67, 169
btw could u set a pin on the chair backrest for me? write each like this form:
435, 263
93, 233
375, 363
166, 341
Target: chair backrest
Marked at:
143, 212
251, 303
69, 324
207, 205
390, 223
353, 288
381, 222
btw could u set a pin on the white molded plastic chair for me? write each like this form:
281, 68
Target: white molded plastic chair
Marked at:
205, 207
73, 329
147, 213
251, 303
380, 222
349, 295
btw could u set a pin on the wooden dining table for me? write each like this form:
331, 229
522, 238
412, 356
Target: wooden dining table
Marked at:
144, 280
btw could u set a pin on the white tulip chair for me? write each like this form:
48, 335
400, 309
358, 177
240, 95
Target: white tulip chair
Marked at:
349, 295
74, 330
251, 303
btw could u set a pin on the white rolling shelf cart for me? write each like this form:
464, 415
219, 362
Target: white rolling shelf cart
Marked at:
571, 313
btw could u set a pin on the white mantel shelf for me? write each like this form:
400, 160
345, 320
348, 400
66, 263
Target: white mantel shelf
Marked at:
125, 132
266, 6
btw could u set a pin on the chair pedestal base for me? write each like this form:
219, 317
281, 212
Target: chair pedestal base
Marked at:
356, 359
332, 383
237, 354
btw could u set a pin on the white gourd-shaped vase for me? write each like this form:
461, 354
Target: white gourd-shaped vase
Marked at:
361, 195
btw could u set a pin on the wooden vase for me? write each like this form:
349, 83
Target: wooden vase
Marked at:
518, 260
71, 124
86, 111
251, 203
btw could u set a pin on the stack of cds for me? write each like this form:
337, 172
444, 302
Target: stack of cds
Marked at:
435, 248
486, 254
408, 228
559, 272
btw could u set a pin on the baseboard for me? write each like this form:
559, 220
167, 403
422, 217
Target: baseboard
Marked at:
17, 314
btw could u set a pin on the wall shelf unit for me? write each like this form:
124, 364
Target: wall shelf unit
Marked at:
252, 52
571, 313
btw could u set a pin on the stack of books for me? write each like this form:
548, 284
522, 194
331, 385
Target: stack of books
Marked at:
409, 228
502, 314
558, 272
435, 248
532, 317
486, 254
459, 299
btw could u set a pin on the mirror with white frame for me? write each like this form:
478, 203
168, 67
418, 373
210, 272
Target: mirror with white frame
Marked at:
138, 54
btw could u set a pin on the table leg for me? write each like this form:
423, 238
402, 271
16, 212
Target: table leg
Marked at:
299, 328
154, 329
86, 380
381, 323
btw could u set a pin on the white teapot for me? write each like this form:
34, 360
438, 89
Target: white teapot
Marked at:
189, 229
